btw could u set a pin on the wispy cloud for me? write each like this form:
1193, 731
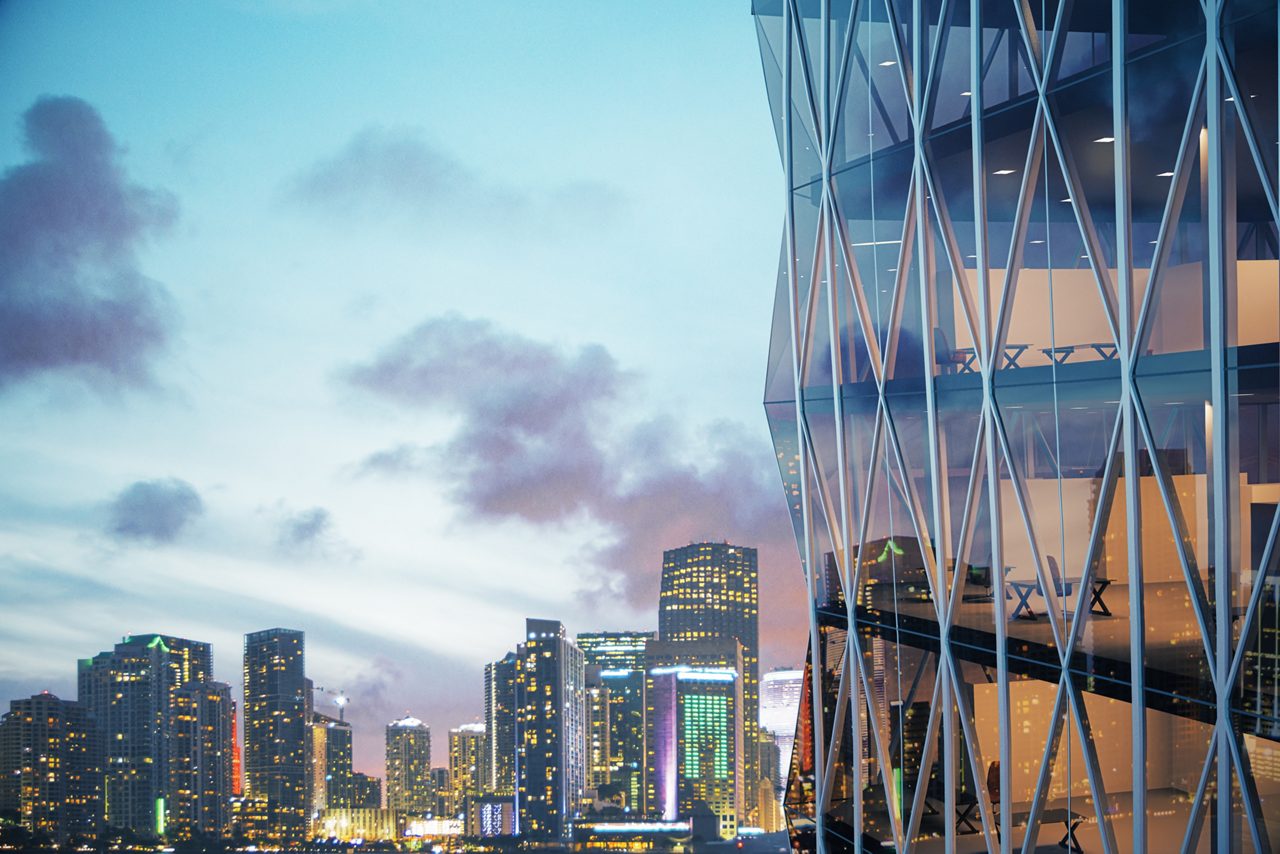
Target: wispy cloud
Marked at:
395, 172
541, 439
154, 512
72, 299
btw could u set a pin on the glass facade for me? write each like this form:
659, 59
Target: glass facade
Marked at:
1024, 389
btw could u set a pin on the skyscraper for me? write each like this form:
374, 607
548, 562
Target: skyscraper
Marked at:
1022, 386
500, 724
200, 761
331, 774
695, 745
277, 718
620, 657
779, 704
366, 792
710, 591
130, 690
409, 784
467, 751
551, 727
599, 758
51, 767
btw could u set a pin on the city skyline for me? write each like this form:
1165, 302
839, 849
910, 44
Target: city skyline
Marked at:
271, 413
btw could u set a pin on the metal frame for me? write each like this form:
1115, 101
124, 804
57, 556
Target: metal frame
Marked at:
825, 292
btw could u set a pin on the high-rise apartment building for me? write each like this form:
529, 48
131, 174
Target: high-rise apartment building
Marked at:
277, 730
366, 792
499, 776
620, 657
695, 743
130, 691
51, 767
331, 774
710, 591
599, 758
1023, 386
200, 762
468, 745
551, 761
408, 781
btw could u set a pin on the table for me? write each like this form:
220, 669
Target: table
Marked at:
969, 357
1023, 590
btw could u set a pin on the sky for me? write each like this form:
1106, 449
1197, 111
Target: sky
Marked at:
396, 323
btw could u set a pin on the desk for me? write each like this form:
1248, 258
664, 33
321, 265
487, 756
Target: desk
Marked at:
1023, 590
969, 357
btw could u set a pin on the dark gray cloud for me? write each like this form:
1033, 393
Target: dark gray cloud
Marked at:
305, 529
542, 438
72, 298
154, 511
395, 171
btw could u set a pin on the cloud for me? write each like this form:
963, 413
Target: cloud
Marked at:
311, 532
545, 436
154, 511
72, 298
395, 172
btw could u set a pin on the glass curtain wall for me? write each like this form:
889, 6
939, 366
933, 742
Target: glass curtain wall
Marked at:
1024, 389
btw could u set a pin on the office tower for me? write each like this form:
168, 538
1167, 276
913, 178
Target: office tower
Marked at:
551, 763
130, 691
237, 766
51, 767
331, 774
599, 758
500, 724
277, 717
409, 786
200, 762
779, 705
1021, 384
695, 747
467, 746
620, 657
710, 591
366, 792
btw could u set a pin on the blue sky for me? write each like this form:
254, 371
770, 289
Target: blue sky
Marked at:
397, 323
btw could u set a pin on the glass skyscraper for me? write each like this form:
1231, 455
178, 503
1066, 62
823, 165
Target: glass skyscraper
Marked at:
500, 723
51, 767
277, 730
620, 657
1023, 388
409, 784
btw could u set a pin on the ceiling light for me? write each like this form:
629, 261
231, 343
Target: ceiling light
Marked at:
1037, 241
1003, 172
1164, 174
1105, 139
887, 63
1067, 199
966, 94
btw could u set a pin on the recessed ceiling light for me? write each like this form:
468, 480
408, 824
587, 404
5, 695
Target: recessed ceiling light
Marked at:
1164, 174
1037, 241
1105, 139
1003, 172
1230, 99
966, 94
892, 270
1067, 199
887, 63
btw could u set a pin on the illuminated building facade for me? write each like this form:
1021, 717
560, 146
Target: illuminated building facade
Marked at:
620, 657
695, 744
277, 730
1022, 386
51, 767
467, 751
200, 762
500, 723
710, 591
551, 723
599, 760
443, 801
332, 781
409, 784
130, 691
779, 703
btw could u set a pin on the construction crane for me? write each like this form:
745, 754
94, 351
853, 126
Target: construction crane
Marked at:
340, 699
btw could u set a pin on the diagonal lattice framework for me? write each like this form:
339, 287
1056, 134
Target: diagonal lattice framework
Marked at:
846, 351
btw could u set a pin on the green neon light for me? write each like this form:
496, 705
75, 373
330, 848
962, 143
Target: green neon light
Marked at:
897, 788
890, 547
157, 641
159, 810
